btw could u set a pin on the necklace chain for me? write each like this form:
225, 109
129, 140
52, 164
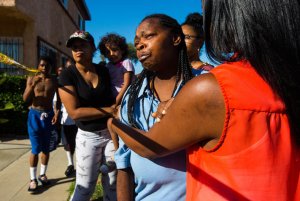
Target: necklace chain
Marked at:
154, 93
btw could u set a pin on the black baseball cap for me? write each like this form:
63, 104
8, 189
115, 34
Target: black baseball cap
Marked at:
83, 35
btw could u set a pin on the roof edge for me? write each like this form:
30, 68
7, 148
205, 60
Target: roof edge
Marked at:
83, 9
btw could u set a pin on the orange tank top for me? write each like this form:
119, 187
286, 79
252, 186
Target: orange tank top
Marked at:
255, 158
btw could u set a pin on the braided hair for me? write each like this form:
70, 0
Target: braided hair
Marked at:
184, 72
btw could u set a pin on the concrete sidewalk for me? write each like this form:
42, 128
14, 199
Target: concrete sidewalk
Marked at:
14, 173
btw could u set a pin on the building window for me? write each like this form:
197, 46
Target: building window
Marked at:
47, 50
81, 23
65, 3
12, 47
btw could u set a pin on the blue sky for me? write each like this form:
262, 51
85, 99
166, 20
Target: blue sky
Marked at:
123, 16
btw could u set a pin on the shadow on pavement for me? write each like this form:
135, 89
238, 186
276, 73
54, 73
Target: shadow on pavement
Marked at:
53, 182
10, 137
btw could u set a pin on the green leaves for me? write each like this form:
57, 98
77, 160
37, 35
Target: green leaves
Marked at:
13, 110
8, 106
132, 53
11, 90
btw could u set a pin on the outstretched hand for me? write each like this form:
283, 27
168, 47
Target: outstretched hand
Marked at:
162, 109
116, 111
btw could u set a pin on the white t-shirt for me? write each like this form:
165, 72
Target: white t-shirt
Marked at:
65, 119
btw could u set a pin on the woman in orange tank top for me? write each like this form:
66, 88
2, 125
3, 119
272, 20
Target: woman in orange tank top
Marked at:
239, 123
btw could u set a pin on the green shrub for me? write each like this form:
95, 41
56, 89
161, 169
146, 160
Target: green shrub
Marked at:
13, 110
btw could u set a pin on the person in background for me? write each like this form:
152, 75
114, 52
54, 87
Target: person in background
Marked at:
68, 130
85, 91
240, 122
55, 101
59, 70
121, 70
192, 29
69, 62
39, 93
164, 73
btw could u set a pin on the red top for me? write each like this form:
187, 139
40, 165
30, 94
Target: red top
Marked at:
255, 158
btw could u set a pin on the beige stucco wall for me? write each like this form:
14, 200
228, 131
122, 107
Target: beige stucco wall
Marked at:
12, 22
33, 19
51, 23
7, 2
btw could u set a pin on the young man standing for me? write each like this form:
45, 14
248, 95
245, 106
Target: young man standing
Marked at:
39, 94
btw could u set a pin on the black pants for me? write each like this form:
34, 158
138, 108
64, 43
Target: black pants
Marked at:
70, 135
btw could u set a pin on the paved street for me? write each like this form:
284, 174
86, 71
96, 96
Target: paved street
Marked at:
14, 172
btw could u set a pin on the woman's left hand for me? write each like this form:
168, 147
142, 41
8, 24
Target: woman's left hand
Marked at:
116, 112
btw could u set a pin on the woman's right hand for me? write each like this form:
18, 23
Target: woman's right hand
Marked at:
162, 109
35, 79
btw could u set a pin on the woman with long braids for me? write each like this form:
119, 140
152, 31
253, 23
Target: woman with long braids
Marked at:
160, 46
239, 123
